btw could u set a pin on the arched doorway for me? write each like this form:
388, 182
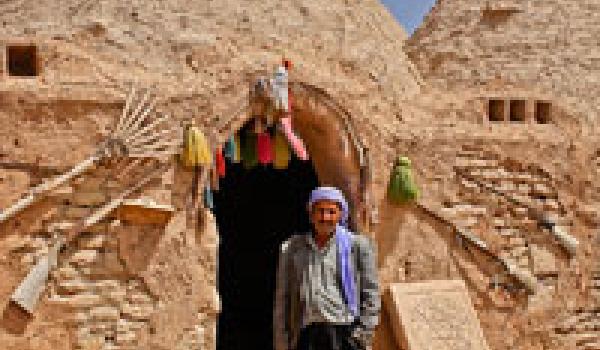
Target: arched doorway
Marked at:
256, 210
259, 208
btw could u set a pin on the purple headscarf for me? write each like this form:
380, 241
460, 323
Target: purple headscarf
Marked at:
343, 239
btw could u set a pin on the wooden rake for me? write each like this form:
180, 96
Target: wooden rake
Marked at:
141, 132
28, 293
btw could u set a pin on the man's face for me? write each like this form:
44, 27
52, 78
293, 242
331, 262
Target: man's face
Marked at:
325, 215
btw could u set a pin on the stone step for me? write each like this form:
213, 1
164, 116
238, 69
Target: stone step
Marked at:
84, 257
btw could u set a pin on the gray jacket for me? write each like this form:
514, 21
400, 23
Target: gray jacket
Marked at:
287, 316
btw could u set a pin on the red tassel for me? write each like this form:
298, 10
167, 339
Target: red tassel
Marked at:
220, 162
265, 150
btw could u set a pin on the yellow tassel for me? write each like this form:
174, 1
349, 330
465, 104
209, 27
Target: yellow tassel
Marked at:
236, 154
195, 151
188, 150
203, 154
281, 151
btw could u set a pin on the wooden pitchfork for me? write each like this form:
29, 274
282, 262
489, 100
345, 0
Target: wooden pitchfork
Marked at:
139, 133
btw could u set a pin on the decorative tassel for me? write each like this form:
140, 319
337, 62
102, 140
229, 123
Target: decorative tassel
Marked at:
402, 187
236, 153
214, 179
265, 151
281, 151
220, 162
195, 151
248, 149
208, 198
229, 152
295, 142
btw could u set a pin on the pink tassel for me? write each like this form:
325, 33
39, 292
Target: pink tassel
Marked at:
295, 142
265, 150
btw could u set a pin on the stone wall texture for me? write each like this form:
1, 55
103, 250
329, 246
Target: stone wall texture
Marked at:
150, 285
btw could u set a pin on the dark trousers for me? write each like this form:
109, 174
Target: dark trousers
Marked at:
323, 336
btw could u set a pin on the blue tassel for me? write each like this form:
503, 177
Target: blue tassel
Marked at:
208, 198
229, 151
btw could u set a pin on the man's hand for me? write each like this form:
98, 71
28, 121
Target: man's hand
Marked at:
361, 338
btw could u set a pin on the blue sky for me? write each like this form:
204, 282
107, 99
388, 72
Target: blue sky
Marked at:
409, 12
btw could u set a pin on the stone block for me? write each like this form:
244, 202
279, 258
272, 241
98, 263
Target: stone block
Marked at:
104, 313
125, 326
66, 273
78, 318
91, 184
77, 300
139, 298
76, 213
73, 286
544, 262
126, 338
84, 257
434, 315
116, 296
137, 312
91, 241
88, 198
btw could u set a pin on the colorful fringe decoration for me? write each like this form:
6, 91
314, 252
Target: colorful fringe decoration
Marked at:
214, 179
220, 162
295, 142
281, 152
402, 187
236, 153
208, 198
248, 150
229, 150
264, 148
195, 151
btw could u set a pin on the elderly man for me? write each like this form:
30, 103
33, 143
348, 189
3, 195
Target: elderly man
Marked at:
327, 295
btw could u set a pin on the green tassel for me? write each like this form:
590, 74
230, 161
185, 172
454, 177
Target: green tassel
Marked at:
402, 188
248, 150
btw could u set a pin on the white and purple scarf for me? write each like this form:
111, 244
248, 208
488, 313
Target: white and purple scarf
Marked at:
343, 240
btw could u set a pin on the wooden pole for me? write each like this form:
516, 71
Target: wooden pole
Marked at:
38, 192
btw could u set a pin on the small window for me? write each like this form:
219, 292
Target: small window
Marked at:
542, 112
22, 61
495, 17
517, 110
496, 110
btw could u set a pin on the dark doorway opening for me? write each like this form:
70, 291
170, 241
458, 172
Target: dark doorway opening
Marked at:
22, 61
256, 210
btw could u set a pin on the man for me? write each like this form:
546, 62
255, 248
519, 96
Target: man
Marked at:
327, 294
